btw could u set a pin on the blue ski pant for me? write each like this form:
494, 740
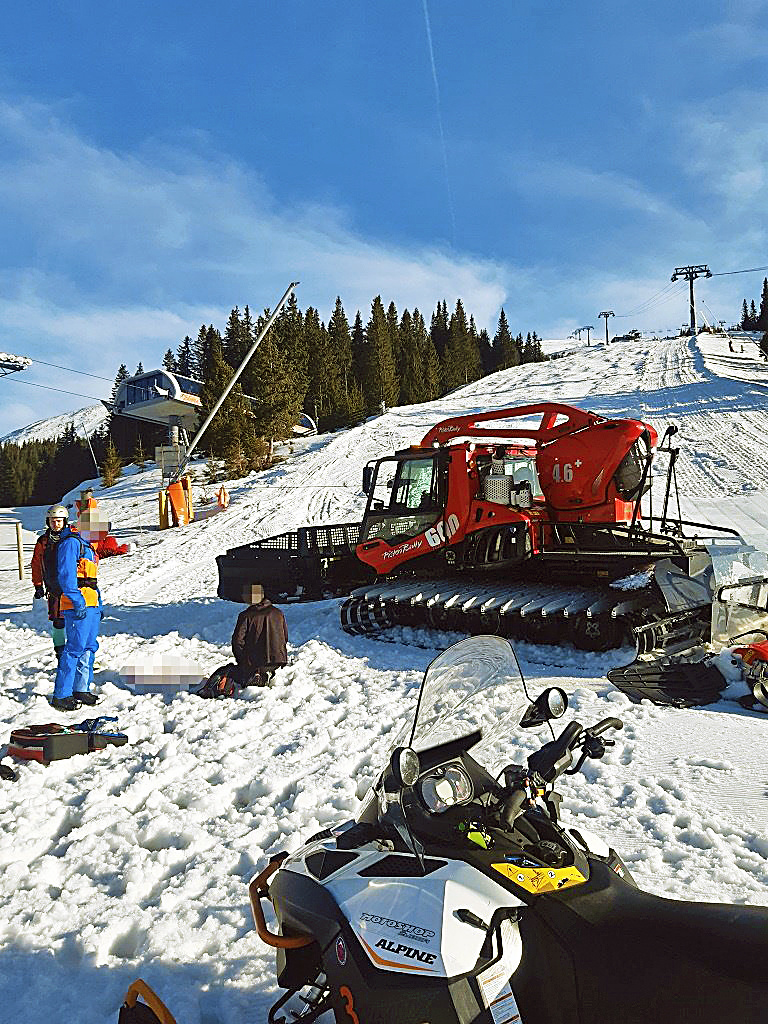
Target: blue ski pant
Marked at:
75, 671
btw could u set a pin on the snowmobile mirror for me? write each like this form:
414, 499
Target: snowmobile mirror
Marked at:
552, 703
405, 766
368, 471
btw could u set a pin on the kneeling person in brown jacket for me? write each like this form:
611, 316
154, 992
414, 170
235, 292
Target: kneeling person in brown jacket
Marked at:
259, 640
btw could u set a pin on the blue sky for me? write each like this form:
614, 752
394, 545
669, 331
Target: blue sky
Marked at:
162, 162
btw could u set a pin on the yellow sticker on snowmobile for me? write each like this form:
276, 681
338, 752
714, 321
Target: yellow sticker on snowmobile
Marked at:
538, 880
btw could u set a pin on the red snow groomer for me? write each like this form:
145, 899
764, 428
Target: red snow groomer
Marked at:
524, 522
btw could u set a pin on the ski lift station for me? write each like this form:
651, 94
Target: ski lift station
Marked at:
10, 363
168, 399
160, 396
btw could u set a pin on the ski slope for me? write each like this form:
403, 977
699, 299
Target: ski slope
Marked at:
135, 861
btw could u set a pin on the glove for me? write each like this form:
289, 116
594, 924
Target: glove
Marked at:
80, 612
39, 592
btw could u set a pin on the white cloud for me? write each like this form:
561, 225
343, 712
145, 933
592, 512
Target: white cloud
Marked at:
127, 253
734, 41
578, 182
125, 229
727, 148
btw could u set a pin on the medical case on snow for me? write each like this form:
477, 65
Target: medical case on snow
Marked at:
53, 742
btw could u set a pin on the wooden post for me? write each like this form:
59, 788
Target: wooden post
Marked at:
20, 550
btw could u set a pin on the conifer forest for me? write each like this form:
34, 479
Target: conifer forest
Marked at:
338, 373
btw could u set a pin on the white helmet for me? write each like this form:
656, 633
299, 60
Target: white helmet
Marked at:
57, 512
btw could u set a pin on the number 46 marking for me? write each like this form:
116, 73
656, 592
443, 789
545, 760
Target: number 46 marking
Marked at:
567, 473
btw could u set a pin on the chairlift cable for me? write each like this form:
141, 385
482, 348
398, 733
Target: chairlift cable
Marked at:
32, 384
70, 370
751, 270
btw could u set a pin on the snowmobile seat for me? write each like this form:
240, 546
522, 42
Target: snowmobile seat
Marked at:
642, 954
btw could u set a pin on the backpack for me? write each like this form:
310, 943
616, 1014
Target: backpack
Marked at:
222, 683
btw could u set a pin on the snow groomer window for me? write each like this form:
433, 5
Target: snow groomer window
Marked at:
415, 487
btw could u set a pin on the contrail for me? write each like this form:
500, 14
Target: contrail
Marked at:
440, 124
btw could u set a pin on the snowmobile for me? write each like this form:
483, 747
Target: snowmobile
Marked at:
525, 522
142, 1005
687, 674
459, 895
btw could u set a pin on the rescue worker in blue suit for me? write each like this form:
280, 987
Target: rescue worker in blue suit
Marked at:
81, 609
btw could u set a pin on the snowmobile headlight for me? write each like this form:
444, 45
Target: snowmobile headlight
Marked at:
445, 787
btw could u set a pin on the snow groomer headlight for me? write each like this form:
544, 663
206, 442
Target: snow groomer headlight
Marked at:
445, 787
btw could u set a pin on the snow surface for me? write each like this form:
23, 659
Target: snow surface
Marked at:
135, 861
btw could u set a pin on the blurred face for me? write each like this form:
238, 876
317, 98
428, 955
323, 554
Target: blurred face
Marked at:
92, 526
57, 523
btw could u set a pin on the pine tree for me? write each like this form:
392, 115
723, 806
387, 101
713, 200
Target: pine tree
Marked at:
112, 466
228, 423
379, 382
121, 375
430, 361
276, 403
455, 360
411, 362
538, 354
744, 323
752, 316
527, 350
139, 369
762, 318
234, 343
184, 359
394, 337
199, 355
169, 360
248, 330
438, 330
343, 380
486, 352
506, 350
320, 387
474, 356
358, 348
288, 331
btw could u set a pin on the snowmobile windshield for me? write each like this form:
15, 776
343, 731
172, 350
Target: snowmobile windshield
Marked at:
475, 684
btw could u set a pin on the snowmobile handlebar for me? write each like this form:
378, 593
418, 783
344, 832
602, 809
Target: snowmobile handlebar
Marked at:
554, 757
553, 760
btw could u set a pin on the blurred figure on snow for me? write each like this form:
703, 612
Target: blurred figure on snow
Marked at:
45, 574
80, 603
259, 642
86, 500
95, 528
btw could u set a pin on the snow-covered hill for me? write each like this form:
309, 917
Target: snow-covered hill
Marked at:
136, 861
86, 421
